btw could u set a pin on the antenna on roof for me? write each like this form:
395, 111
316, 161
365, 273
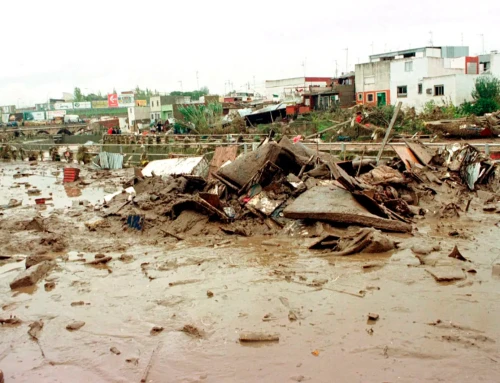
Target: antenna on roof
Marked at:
431, 42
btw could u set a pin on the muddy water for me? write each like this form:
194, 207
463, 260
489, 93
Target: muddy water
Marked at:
123, 301
18, 178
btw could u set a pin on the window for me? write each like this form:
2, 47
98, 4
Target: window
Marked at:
369, 97
402, 91
408, 66
158, 103
152, 116
360, 96
152, 103
438, 90
420, 89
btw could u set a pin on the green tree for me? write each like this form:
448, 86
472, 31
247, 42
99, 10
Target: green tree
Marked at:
486, 95
195, 94
77, 95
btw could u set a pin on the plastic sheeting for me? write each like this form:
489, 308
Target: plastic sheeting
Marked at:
197, 166
105, 160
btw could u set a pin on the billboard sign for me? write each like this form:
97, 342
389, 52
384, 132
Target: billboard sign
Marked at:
82, 105
16, 117
112, 100
34, 116
63, 105
126, 100
55, 114
102, 104
141, 102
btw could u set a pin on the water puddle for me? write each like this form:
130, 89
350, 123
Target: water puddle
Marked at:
25, 184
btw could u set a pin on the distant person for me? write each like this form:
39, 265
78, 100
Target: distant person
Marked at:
159, 126
110, 131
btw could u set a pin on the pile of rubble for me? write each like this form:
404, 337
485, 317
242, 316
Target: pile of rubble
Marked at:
467, 127
269, 189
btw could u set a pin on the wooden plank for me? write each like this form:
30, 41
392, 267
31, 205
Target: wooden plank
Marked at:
389, 129
333, 204
406, 156
420, 151
221, 156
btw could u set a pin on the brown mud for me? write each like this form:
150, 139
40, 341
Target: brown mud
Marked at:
268, 284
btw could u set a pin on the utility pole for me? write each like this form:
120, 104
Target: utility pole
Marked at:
431, 39
346, 60
336, 69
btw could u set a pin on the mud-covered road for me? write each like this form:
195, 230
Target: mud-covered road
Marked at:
165, 310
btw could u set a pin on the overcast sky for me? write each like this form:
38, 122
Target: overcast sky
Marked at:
52, 46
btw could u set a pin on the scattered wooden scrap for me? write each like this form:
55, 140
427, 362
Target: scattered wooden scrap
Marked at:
455, 253
248, 336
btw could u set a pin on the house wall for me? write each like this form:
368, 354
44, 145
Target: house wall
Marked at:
138, 113
155, 104
433, 52
372, 78
495, 65
421, 68
457, 89
167, 111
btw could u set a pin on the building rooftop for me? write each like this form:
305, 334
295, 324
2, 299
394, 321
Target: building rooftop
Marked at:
446, 51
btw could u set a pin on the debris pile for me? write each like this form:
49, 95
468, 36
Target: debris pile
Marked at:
467, 127
266, 190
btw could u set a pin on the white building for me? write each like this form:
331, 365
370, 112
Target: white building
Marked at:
138, 115
417, 76
417, 81
292, 89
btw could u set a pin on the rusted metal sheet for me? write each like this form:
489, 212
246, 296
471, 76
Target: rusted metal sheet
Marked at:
221, 156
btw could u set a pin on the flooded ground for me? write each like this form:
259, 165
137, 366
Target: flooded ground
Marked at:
200, 293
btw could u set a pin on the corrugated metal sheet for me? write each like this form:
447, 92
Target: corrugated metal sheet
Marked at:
105, 160
188, 165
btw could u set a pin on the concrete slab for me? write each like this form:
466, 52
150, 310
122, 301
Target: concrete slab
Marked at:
446, 273
333, 204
